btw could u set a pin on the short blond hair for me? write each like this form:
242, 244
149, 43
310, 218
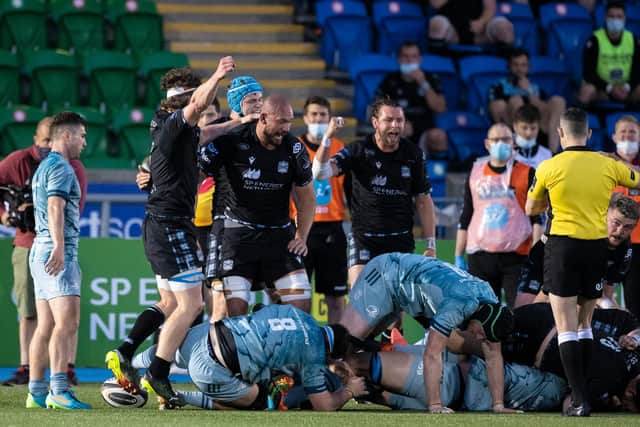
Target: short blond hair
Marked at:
627, 119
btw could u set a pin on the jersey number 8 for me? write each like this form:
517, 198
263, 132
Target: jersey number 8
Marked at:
284, 324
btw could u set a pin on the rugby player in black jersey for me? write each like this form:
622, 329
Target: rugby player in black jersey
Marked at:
264, 162
389, 176
168, 231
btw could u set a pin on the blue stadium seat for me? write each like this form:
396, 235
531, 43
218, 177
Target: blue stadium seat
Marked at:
466, 132
366, 72
478, 73
524, 24
437, 171
632, 13
596, 142
398, 22
611, 119
346, 31
551, 75
446, 70
567, 27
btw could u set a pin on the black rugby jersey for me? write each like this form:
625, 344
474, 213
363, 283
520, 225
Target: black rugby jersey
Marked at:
219, 202
260, 180
383, 185
173, 165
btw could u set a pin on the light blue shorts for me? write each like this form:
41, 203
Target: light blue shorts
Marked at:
370, 296
211, 377
65, 283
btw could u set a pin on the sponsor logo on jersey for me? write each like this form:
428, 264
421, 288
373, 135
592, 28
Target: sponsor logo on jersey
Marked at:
227, 264
251, 160
372, 310
297, 147
283, 166
243, 147
405, 172
379, 180
378, 165
365, 254
599, 286
251, 174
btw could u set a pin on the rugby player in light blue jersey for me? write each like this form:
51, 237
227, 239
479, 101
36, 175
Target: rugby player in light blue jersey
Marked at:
464, 383
232, 361
53, 261
436, 294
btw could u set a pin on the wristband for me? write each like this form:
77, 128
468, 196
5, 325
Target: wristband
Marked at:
431, 242
326, 142
609, 88
627, 87
424, 87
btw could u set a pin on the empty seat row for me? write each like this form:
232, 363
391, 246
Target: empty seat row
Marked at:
112, 79
118, 143
81, 26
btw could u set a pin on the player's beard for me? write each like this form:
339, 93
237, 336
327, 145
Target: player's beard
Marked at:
274, 139
390, 138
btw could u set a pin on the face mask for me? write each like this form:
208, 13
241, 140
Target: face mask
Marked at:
627, 148
317, 130
500, 151
43, 152
525, 143
409, 68
615, 25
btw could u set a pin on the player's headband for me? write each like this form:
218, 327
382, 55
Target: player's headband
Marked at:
178, 90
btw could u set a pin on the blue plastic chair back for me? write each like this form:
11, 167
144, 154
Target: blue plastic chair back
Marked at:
398, 22
524, 25
551, 75
466, 132
478, 74
367, 71
446, 71
437, 171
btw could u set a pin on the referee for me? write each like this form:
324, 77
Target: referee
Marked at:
577, 185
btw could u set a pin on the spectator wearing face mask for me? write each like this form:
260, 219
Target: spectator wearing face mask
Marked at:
420, 96
626, 137
526, 125
494, 230
610, 61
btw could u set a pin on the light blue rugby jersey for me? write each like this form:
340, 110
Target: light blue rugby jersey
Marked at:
283, 338
55, 177
437, 290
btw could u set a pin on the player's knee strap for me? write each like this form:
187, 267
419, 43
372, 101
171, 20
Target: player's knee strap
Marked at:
294, 287
236, 287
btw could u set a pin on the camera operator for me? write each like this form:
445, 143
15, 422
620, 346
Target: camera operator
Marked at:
16, 173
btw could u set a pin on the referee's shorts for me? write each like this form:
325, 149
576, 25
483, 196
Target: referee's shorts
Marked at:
575, 267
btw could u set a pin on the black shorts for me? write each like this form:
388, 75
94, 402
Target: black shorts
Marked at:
257, 254
327, 257
170, 245
363, 249
575, 267
214, 243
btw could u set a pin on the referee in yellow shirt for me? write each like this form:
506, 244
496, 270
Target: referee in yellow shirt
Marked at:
577, 185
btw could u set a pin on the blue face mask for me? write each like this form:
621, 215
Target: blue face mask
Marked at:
525, 143
409, 68
615, 25
317, 130
43, 152
500, 151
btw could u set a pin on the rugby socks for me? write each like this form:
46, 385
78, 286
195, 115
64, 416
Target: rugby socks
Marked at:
59, 383
585, 338
571, 356
147, 323
375, 368
197, 399
159, 367
38, 388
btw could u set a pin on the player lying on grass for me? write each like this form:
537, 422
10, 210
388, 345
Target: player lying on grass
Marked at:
441, 297
614, 360
233, 361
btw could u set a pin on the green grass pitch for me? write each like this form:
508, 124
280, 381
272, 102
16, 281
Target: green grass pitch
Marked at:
13, 413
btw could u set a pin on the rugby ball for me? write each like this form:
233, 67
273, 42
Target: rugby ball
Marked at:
118, 397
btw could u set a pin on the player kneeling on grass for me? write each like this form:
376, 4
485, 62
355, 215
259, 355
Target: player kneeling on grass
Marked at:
233, 361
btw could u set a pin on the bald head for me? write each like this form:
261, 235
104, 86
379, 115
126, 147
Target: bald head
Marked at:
41, 138
277, 104
275, 121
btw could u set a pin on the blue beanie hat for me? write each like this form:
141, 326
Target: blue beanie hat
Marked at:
239, 88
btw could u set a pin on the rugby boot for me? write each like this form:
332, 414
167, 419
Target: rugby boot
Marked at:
583, 410
280, 386
126, 375
167, 397
36, 402
66, 400
20, 377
